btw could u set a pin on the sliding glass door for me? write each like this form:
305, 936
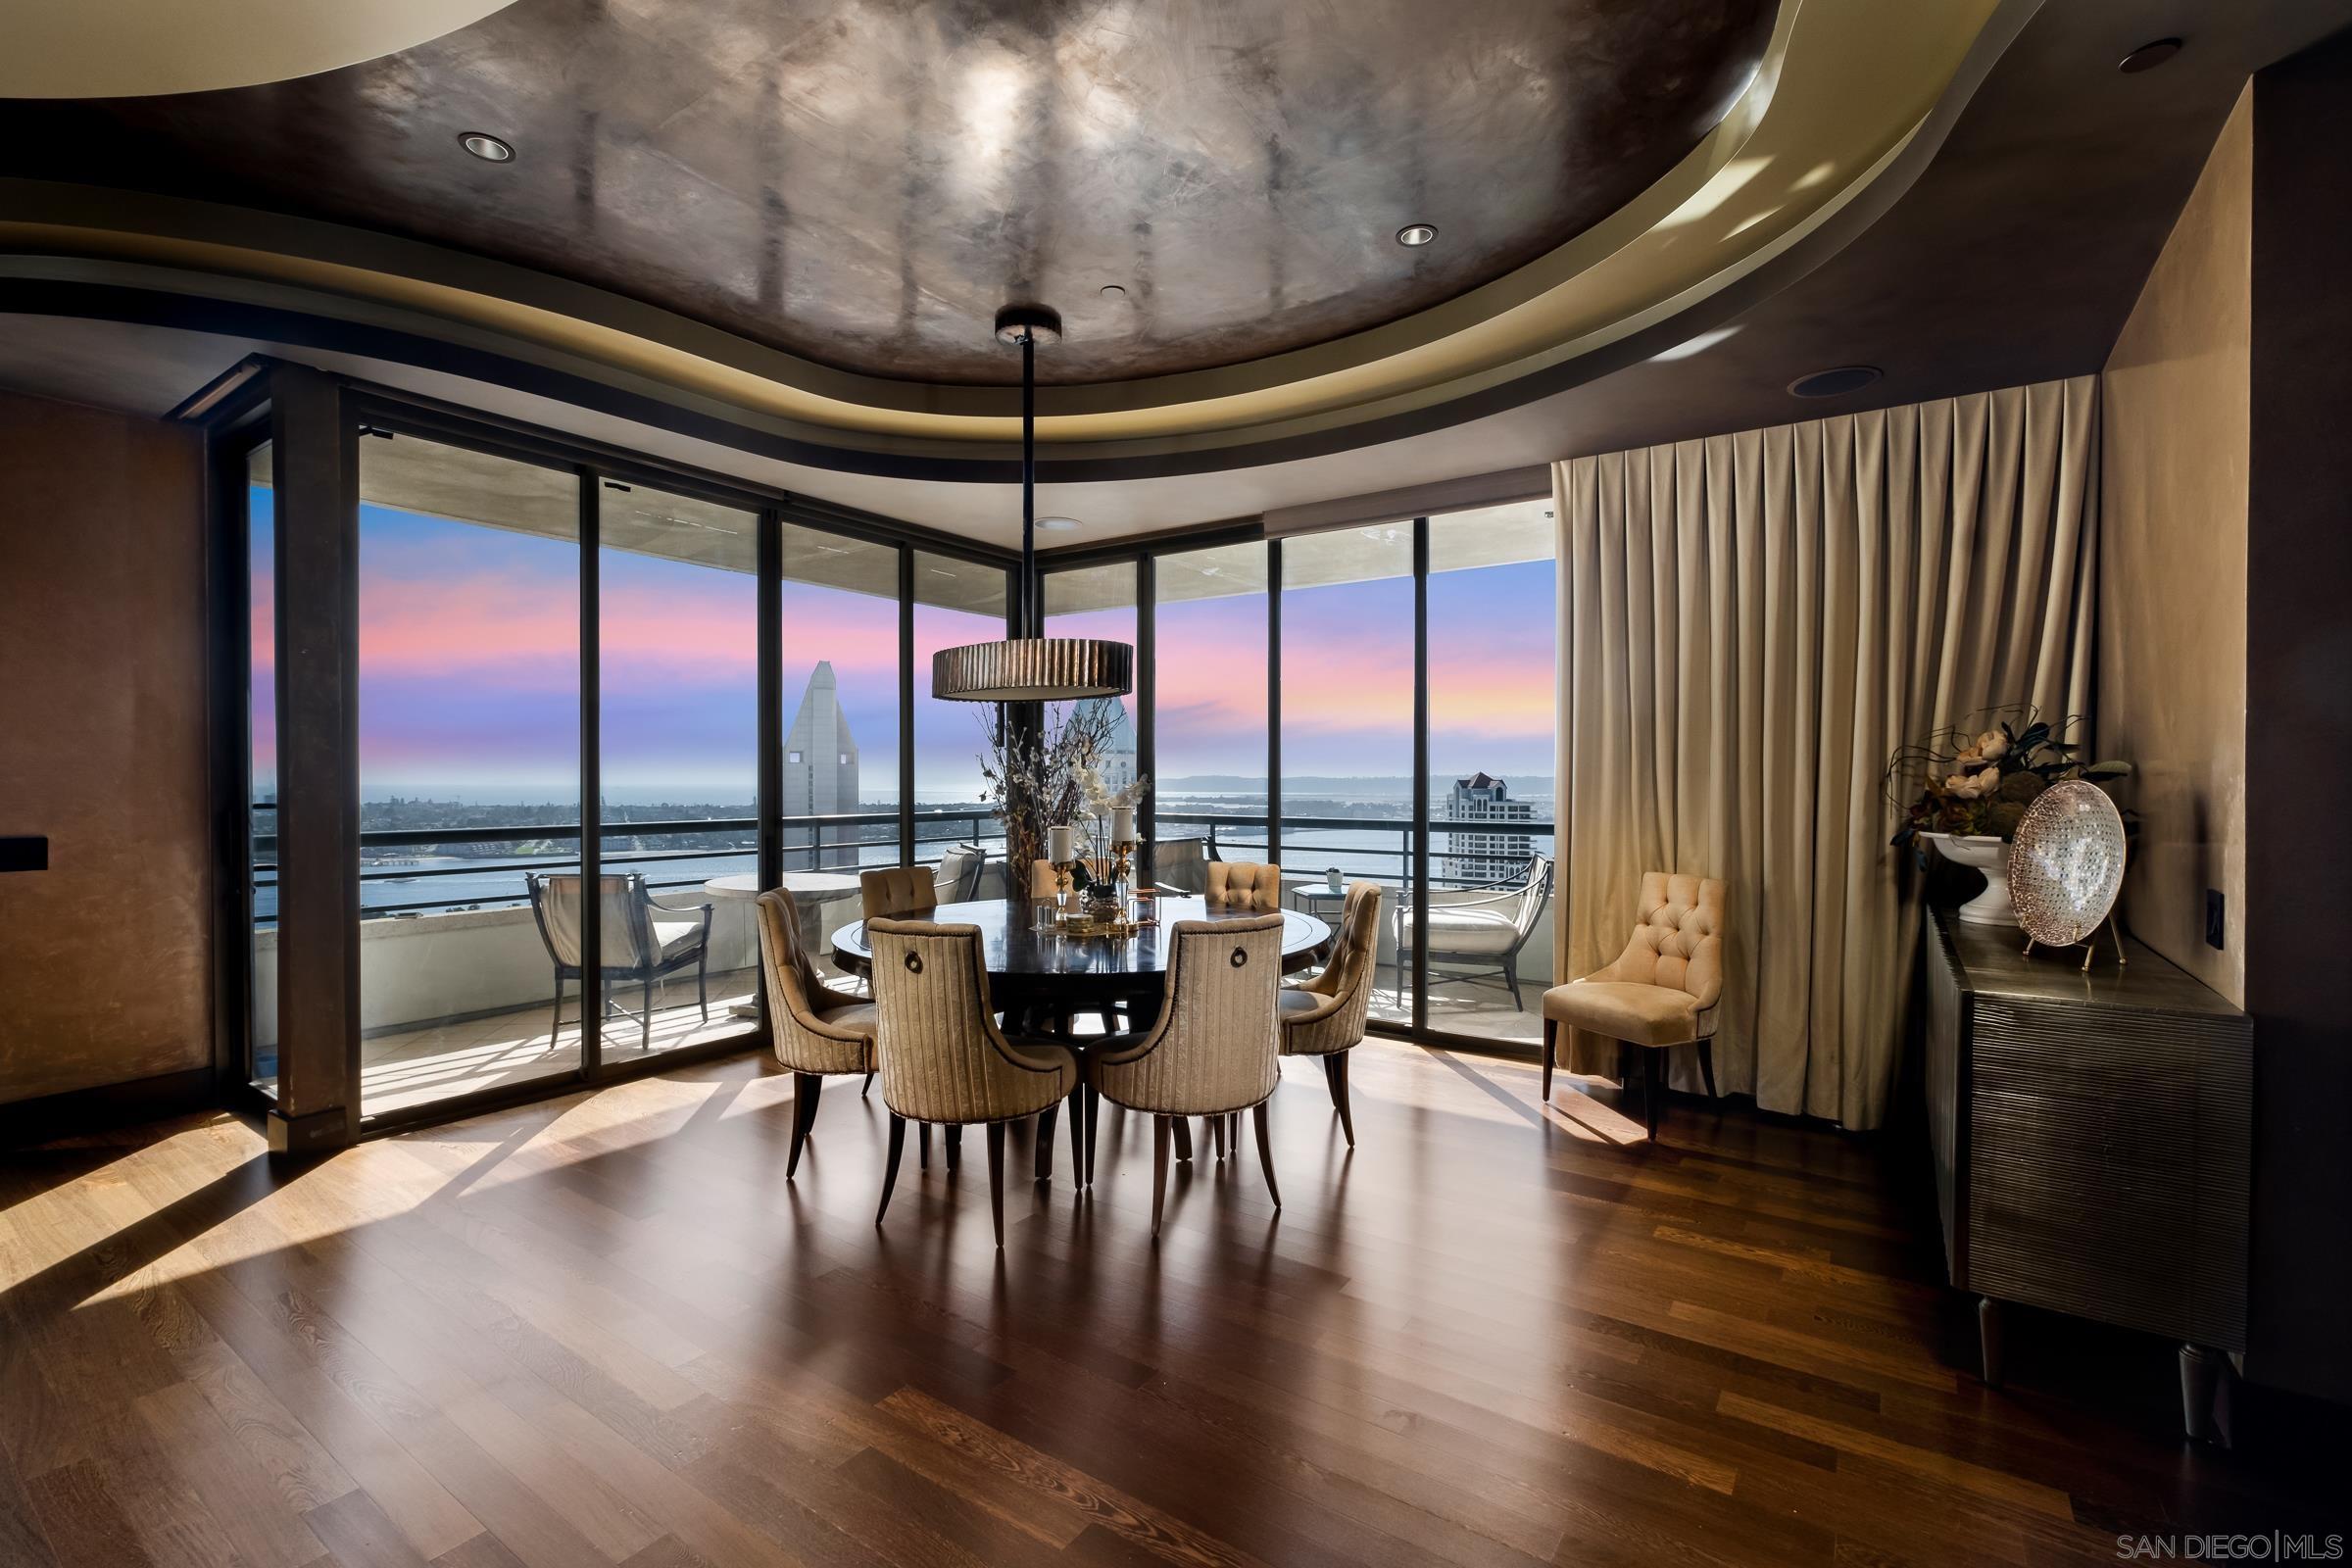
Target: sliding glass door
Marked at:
469, 771
678, 664
1347, 721
1492, 620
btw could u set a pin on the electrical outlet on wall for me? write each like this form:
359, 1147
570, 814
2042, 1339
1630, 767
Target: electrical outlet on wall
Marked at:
2216, 926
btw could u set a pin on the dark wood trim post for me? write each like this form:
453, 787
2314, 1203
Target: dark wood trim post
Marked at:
315, 463
1147, 704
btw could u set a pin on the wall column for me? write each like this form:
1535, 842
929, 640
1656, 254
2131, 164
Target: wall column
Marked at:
315, 460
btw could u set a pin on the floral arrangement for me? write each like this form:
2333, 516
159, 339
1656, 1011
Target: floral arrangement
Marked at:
1978, 782
1099, 800
1035, 779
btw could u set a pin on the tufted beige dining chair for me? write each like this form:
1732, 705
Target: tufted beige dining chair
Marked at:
1234, 885
1212, 1050
941, 1058
1661, 991
817, 1030
1324, 1018
904, 891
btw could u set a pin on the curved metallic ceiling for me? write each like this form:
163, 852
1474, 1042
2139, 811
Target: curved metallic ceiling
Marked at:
127, 48
1590, 223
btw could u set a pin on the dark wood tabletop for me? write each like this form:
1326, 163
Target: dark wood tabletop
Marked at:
1021, 956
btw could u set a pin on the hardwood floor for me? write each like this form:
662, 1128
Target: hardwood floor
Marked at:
604, 1330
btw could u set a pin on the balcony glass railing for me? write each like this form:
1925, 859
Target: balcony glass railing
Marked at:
414, 870
1460, 855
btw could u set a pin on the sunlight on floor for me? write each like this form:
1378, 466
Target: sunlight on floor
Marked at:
419, 1066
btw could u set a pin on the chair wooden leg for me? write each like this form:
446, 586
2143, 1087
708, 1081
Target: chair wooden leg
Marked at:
890, 1166
1706, 1066
1078, 1148
1265, 1153
1339, 1094
555, 1027
1044, 1142
1161, 1137
1654, 1083
996, 1180
1094, 1105
1184, 1136
955, 1147
1216, 1137
806, 1087
1551, 1051
922, 1132
863, 1087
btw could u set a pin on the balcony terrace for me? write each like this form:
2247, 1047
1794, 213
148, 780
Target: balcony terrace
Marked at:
459, 996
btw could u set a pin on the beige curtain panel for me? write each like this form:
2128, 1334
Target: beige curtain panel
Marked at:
1749, 624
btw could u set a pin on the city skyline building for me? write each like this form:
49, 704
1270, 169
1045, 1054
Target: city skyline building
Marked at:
1492, 851
820, 767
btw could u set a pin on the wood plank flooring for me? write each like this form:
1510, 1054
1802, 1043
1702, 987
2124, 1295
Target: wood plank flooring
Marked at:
605, 1331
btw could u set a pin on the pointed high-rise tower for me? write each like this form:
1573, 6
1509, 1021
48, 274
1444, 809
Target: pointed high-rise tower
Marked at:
820, 769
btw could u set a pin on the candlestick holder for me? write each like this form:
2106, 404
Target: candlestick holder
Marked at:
1123, 861
1062, 882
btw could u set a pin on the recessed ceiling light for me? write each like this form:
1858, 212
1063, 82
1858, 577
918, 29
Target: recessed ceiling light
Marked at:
1833, 384
1416, 234
1114, 291
2148, 56
488, 148
1057, 525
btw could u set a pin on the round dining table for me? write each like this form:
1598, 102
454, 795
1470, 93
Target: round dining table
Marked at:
1067, 974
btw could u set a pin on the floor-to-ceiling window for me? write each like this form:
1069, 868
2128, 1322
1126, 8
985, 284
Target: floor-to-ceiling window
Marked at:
1491, 631
1209, 707
1098, 602
839, 720
261, 771
468, 768
1348, 763
678, 700
955, 602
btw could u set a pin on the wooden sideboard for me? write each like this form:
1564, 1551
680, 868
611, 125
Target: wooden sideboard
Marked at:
2092, 1137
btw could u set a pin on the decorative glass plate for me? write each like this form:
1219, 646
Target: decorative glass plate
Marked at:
2066, 864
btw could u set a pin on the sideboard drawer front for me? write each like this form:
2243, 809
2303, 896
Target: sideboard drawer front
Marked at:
2108, 1171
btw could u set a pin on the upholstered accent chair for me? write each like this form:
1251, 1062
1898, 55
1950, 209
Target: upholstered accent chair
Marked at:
942, 1058
817, 1030
904, 891
1662, 990
1236, 885
1214, 1049
1324, 1018
642, 940
1477, 928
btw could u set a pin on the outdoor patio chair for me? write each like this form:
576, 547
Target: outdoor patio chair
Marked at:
1480, 927
642, 942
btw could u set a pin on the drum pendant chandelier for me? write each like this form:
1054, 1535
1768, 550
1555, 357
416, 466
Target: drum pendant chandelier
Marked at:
1031, 668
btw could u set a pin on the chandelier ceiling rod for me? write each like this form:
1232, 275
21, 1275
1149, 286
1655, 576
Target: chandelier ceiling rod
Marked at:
1028, 666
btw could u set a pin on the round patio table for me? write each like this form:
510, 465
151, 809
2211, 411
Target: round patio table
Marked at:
1027, 967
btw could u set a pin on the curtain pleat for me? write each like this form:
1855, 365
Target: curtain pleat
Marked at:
1749, 625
